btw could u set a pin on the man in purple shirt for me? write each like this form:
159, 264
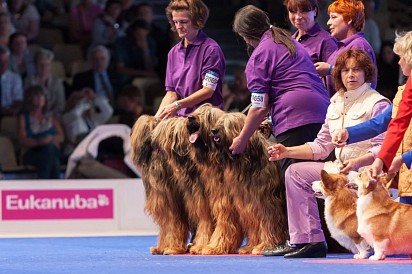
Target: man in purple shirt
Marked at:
195, 66
282, 80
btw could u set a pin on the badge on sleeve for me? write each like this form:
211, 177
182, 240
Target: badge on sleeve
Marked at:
259, 100
211, 79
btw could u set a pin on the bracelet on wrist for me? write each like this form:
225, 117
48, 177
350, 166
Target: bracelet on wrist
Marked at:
178, 105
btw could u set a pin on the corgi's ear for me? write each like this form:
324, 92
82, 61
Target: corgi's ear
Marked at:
370, 184
324, 176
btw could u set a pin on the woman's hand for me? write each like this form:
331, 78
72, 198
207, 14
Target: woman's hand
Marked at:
396, 165
340, 137
277, 152
375, 169
349, 165
322, 68
168, 111
238, 145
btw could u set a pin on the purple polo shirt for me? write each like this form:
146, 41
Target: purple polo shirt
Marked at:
318, 43
356, 41
297, 95
187, 67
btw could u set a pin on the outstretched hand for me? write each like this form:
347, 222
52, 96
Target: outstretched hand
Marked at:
340, 137
277, 152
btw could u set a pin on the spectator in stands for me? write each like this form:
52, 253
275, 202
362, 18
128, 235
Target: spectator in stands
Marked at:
52, 85
50, 11
81, 20
159, 34
98, 78
388, 71
129, 104
241, 93
6, 29
135, 54
84, 111
317, 42
195, 78
25, 18
355, 98
11, 87
371, 29
282, 79
347, 19
107, 26
41, 133
21, 60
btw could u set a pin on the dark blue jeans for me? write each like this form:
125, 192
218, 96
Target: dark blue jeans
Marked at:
46, 159
406, 200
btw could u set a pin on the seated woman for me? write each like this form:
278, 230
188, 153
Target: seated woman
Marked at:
41, 133
354, 103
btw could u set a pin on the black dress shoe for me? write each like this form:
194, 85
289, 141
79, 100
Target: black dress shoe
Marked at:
310, 250
280, 250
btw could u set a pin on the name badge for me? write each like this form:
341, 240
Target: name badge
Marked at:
259, 100
211, 79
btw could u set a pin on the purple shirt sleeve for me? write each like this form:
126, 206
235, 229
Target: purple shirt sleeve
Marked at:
322, 146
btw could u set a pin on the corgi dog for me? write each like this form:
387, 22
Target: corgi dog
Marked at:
385, 224
340, 213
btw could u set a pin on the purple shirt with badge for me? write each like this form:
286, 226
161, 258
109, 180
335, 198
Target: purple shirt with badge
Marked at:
297, 95
356, 41
318, 43
188, 67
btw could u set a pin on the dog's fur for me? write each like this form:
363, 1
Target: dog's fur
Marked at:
163, 199
172, 137
340, 213
384, 223
227, 235
254, 184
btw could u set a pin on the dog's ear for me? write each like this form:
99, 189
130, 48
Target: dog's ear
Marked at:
324, 176
370, 184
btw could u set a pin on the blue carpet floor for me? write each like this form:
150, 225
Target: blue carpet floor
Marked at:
130, 255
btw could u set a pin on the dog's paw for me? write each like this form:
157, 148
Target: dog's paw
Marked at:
173, 251
377, 257
154, 250
245, 249
208, 250
196, 249
361, 256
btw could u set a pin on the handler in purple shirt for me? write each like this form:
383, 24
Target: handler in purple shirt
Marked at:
282, 80
317, 42
347, 19
195, 66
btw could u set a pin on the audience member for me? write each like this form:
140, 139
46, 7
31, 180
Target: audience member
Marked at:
135, 54
41, 133
98, 78
347, 19
6, 29
84, 111
11, 87
241, 98
317, 42
371, 29
352, 75
388, 71
21, 60
195, 66
107, 26
25, 18
129, 105
282, 79
52, 85
81, 20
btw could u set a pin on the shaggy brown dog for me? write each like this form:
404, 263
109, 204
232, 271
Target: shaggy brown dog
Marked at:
255, 185
227, 235
163, 199
172, 137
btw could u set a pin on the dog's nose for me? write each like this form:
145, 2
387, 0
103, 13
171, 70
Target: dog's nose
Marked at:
215, 131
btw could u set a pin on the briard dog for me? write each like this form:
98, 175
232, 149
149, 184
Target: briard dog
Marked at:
172, 137
227, 235
254, 183
163, 198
